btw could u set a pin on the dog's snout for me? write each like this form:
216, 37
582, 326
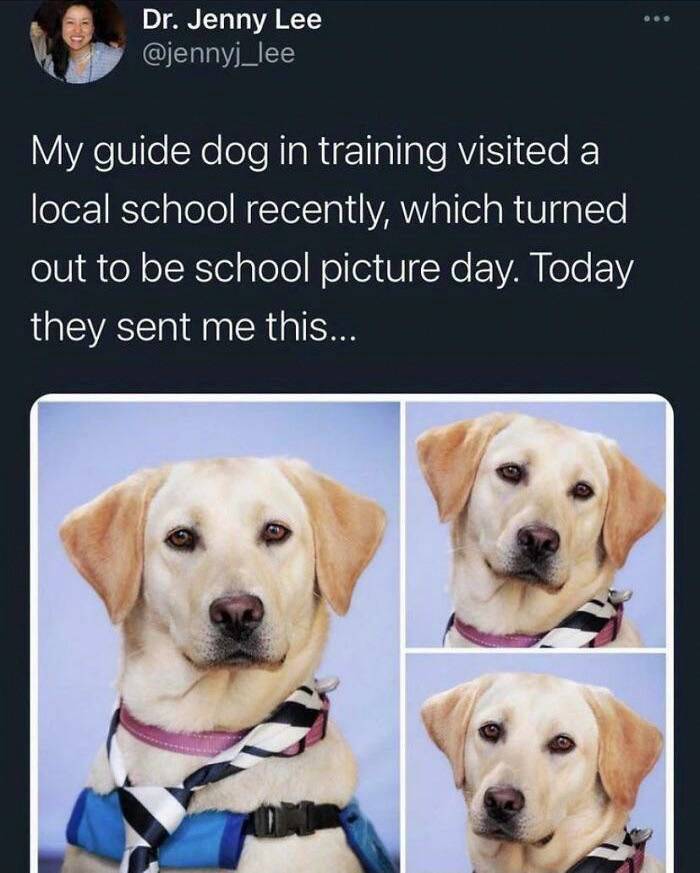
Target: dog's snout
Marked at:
538, 541
238, 615
503, 802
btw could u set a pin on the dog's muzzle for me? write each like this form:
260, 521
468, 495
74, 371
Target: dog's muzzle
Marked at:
501, 808
237, 616
236, 619
533, 555
503, 803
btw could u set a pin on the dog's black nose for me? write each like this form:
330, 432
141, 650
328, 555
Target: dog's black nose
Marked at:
237, 615
538, 541
503, 802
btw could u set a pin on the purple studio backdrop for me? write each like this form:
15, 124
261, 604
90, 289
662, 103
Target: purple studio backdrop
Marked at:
639, 429
86, 447
435, 810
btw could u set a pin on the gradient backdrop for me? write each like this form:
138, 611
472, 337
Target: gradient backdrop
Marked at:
435, 810
638, 428
86, 447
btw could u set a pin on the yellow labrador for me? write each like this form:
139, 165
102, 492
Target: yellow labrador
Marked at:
542, 516
164, 549
549, 769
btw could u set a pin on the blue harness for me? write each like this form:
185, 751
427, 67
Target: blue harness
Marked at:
205, 839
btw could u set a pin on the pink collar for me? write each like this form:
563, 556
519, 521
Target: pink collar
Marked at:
635, 863
494, 641
605, 635
207, 744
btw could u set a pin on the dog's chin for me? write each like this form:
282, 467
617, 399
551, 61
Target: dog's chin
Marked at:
236, 657
502, 834
528, 575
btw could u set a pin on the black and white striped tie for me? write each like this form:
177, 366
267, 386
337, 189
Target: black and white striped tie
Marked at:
151, 813
623, 853
581, 628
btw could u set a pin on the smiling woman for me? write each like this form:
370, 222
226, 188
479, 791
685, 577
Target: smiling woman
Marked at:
78, 43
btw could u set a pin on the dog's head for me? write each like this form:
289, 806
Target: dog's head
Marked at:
228, 557
538, 502
533, 752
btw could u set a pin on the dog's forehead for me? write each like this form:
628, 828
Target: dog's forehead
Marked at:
226, 482
531, 699
536, 437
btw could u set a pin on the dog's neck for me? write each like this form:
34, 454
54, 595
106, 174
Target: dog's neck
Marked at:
499, 605
161, 686
580, 833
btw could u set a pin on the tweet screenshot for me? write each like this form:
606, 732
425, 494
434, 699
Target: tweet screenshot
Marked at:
351, 404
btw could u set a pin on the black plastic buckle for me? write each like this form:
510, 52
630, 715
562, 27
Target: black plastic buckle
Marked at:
283, 820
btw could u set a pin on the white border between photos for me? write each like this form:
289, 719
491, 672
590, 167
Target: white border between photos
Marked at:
402, 398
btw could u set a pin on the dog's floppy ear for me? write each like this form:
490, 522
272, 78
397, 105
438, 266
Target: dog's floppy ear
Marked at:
628, 746
104, 539
450, 455
446, 718
634, 504
347, 531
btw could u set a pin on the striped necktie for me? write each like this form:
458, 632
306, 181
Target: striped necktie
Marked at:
151, 813
582, 628
623, 853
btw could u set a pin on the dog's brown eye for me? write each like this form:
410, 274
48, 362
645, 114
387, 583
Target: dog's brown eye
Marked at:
274, 532
490, 732
511, 472
561, 744
182, 538
582, 491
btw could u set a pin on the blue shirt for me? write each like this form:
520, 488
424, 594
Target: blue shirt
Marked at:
104, 59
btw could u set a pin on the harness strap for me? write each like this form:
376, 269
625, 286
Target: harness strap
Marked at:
302, 819
215, 839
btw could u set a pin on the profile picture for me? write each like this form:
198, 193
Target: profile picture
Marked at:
78, 42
